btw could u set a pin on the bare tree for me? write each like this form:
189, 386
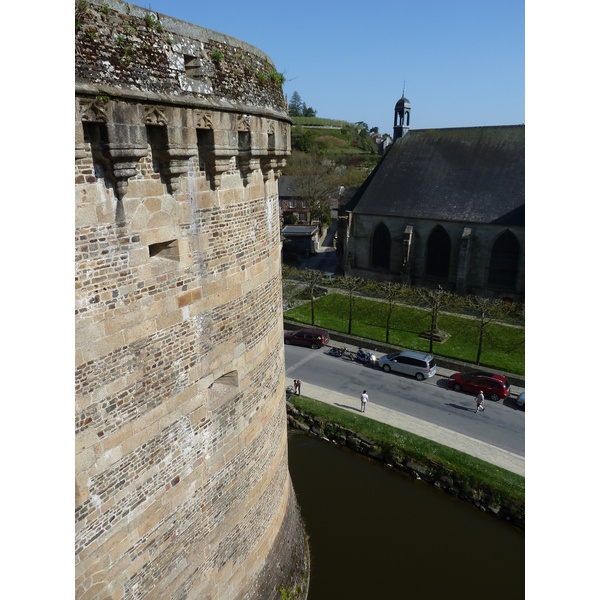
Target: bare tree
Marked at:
486, 310
392, 293
435, 301
289, 284
312, 278
314, 183
351, 285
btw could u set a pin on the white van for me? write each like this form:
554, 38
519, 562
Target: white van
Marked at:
409, 362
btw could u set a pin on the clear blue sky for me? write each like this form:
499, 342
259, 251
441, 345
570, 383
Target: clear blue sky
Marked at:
463, 60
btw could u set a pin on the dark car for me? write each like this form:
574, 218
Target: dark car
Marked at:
311, 338
493, 386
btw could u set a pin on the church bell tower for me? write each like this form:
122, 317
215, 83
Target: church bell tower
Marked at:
401, 117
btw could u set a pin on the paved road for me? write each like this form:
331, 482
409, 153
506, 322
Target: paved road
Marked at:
428, 408
326, 258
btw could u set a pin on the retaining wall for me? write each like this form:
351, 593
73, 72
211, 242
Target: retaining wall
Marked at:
435, 474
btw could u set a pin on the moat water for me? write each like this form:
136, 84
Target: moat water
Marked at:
375, 533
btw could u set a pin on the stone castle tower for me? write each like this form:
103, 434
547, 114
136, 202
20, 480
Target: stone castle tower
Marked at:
182, 483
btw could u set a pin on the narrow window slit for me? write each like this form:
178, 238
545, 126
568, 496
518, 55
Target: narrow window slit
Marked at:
168, 250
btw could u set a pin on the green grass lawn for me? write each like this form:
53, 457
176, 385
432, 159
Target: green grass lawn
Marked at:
503, 346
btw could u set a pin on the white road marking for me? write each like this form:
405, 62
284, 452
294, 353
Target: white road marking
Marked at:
300, 362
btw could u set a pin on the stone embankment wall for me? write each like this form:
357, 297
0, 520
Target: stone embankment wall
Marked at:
420, 469
182, 483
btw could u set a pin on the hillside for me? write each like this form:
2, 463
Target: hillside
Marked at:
345, 145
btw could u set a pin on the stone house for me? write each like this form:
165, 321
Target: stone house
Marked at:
443, 207
300, 240
291, 201
383, 141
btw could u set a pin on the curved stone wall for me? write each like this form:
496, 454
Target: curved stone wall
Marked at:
182, 485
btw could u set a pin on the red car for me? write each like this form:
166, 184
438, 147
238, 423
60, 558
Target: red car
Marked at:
312, 338
493, 386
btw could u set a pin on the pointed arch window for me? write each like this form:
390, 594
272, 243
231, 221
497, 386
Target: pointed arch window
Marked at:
504, 261
381, 247
438, 253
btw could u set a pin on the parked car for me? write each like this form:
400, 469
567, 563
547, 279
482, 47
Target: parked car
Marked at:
521, 399
311, 338
493, 386
407, 362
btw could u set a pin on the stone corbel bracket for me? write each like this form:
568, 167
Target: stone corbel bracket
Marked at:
127, 129
244, 150
177, 144
121, 141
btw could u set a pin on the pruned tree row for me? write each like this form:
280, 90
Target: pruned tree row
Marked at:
483, 311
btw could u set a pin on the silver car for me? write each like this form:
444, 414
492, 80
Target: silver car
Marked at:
409, 362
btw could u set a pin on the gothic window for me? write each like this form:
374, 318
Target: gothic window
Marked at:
438, 253
504, 261
381, 247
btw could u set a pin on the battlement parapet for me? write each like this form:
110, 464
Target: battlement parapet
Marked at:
135, 52
137, 87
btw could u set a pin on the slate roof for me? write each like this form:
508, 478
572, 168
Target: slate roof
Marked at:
299, 230
287, 186
468, 174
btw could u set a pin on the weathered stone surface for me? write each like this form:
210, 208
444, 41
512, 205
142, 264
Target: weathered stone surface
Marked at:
375, 452
418, 468
182, 485
444, 482
353, 442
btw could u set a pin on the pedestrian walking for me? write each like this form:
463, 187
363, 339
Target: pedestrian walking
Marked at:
364, 398
299, 384
479, 400
295, 386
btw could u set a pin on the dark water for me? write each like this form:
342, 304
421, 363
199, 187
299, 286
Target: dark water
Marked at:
376, 533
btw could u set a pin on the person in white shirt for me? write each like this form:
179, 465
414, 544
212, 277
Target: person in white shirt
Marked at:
364, 398
480, 402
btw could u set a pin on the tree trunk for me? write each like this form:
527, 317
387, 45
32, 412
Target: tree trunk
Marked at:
433, 328
480, 346
350, 317
387, 325
434, 319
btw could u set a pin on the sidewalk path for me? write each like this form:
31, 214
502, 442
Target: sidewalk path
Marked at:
482, 450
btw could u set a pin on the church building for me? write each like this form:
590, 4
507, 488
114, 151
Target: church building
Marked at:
443, 207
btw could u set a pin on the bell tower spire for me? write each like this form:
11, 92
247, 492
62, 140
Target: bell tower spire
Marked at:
402, 116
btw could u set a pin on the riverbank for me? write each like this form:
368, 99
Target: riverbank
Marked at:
489, 487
